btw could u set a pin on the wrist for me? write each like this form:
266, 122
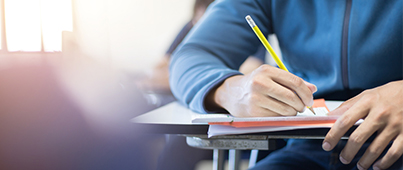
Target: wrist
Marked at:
217, 98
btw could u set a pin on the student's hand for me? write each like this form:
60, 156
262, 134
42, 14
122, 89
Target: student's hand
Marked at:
267, 91
382, 108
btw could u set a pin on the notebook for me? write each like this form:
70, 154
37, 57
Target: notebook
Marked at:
306, 118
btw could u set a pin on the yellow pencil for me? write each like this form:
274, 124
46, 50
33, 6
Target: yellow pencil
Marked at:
266, 44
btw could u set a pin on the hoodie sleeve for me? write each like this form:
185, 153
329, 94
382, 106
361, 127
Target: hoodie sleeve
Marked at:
215, 49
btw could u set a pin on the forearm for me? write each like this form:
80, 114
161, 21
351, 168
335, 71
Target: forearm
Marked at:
194, 74
211, 53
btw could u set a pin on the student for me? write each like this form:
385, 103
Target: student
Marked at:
158, 79
185, 157
339, 50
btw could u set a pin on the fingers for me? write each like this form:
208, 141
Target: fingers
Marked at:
273, 105
343, 123
357, 139
311, 87
371, 124
267, 91
264, 82
262, 112
376, 148
294, 83
393, 154
281, 94
382, 116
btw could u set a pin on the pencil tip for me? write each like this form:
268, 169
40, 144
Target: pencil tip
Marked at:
311, 109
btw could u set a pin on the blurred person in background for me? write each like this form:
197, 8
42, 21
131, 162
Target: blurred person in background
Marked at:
158, 79
69, 115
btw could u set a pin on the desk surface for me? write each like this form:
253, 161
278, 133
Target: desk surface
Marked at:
174, 118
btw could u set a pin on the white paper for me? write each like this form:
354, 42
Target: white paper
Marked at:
321, 114
216, 130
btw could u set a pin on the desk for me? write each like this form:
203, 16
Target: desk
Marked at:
174, 118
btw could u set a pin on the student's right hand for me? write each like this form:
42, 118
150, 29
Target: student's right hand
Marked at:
267, 91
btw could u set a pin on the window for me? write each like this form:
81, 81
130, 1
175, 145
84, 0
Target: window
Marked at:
36, 25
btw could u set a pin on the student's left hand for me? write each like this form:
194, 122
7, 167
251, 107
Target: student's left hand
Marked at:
382, 109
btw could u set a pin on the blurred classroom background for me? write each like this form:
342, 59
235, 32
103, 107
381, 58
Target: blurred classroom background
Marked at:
68, 73
128, 34
124, 34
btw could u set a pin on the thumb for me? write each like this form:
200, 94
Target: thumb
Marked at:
311, 87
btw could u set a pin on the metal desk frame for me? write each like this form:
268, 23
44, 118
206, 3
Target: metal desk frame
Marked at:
176, 119
236, 143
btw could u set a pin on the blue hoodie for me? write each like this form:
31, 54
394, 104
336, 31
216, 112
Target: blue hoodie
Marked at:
337, 45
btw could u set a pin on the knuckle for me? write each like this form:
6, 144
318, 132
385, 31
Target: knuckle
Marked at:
371, 97
375, 150
270, 89
378, 120
259, 69
366, 91
297, 81
330, 135
265, 68
257, 81
378, 117
287, 110
356, 139
367, 97
383, 115
331, 138
369, 91
385, 111
364, 101
396, 125
394, 154
344, 121
290, 111
289, 97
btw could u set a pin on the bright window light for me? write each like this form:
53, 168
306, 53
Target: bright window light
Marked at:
1, 28
27, 20
56, 17
23, 25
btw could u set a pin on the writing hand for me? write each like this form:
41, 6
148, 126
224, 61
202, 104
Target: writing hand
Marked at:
382, 108
267, 91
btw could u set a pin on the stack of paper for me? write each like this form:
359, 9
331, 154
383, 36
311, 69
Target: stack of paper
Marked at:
306, 118
224, 124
